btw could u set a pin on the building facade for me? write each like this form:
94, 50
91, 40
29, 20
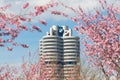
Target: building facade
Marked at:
60, 48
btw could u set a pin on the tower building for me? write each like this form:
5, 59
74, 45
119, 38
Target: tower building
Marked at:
61, 48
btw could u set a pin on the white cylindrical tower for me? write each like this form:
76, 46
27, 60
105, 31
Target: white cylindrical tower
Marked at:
52, 51
71, 56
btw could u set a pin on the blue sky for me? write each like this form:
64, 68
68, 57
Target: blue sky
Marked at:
32, 39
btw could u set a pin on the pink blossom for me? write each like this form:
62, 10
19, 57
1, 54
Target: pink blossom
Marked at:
22, 18
14, 35
76, 28
23, 27
43, 22
9, 40
56, 12
36, 28
24, 45
2, 40
74, 19
1, 45
9, 48
25, 5
15, 44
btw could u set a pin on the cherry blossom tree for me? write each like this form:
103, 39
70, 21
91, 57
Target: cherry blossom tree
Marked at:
11, 25
102, 36
26, 71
